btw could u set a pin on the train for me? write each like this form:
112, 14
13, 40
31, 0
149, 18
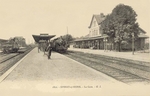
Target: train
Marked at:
10, 46
13, 45
59, 45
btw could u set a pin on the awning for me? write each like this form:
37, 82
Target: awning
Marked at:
37, 38
92, 38
143, 36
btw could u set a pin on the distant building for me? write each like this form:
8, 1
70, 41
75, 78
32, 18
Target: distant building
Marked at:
97, 40
2, 41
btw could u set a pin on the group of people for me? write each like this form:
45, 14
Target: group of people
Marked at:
46, 47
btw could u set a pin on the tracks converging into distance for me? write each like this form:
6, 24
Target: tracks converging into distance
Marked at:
5, 58
8, 60
124, 70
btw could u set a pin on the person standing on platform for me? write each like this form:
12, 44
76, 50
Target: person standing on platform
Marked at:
44, 47
49, 49
38, 47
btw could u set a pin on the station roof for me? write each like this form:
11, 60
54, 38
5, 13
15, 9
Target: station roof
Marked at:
92, 38
46, 37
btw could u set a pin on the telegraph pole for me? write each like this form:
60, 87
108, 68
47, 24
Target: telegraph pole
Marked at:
67, 35
132, 43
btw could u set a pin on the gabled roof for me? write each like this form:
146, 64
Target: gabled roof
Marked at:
99, 18
141, 30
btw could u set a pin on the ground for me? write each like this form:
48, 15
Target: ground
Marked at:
37, 75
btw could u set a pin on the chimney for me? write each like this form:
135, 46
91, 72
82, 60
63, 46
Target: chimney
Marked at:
102, 15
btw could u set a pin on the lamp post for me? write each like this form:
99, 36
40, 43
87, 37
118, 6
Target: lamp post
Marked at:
105, 44
132, 43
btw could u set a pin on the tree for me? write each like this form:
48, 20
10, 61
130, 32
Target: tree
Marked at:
108, 28
67, 39
121, 24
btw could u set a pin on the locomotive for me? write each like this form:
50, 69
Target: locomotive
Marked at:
59, 45
10, 47
13, 45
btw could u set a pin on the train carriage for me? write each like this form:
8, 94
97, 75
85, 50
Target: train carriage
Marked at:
10, 47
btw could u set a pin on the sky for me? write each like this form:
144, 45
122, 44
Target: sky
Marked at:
28, 17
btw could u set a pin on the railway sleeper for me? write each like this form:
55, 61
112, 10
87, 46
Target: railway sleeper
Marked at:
113, 75
127, 61
120, 61
122, 67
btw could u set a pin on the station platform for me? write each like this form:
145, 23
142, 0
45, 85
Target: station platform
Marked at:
138, 56
36, 66
37, 75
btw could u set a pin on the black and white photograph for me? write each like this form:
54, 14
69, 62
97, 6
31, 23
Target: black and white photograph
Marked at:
74, 47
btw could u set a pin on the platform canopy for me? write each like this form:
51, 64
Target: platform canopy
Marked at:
40, 37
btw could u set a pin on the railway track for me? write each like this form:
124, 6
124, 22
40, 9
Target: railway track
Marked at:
2, 55
9, 60
8, 57
127, 71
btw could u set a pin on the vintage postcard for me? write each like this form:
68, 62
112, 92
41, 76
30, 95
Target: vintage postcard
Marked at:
74, 47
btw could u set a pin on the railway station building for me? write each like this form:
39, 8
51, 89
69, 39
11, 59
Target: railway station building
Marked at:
97, 40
